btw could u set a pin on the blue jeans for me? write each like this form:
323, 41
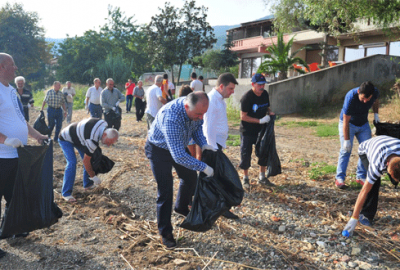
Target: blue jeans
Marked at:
96, 111
362, 133
161, 163
129, 99
69, 106
70, 169
55, 117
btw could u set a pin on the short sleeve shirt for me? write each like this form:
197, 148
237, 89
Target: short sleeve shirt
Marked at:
196, 85
358, 110
256, 107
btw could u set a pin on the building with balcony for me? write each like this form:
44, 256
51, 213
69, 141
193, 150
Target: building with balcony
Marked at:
251, 39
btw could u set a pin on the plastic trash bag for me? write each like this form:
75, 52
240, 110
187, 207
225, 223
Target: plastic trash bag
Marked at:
388, 129
266, 148
214, 195
32, 206
101, 163
40, 124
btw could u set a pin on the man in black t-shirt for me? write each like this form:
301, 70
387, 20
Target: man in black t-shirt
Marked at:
254, 112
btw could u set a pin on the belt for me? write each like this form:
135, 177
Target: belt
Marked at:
54, 108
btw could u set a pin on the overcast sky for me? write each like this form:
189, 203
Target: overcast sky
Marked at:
74, 17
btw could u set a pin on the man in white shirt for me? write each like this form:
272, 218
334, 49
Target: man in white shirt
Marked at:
154, 100
215, 125
93, 99
196, 85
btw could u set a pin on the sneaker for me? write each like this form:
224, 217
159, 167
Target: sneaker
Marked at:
183, 212
364, 220
266, 182
168, 241
360, 181
229, 215
340, 184
246, 183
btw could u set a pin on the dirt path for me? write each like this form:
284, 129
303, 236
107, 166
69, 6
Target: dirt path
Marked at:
293, 226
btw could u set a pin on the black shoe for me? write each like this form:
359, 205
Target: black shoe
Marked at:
2, 253
25, 234
169, 241
183, 212
266, 182
228, 214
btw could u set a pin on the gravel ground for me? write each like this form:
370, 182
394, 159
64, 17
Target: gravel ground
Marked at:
295, 225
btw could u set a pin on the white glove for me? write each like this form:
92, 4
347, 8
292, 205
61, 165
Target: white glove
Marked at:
95, 180
116, 104
86, 107
29, 105
208, 147
351, 225
347, 146
209, 171
376, 117
265, 119
13, 142
70, 95
114, 109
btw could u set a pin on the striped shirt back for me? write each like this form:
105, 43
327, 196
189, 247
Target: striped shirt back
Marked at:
378, 149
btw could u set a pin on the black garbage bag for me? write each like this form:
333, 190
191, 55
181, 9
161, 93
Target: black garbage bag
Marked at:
32, 206
40, 124
101, 163
389, 129
115, 115
266, 148
214, 195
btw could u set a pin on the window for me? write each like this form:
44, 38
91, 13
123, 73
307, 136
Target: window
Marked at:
376, 50
250, 66
394, 48
353, 54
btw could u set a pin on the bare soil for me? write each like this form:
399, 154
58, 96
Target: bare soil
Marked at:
114, 226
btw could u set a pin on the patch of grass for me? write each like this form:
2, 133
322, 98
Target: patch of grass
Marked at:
320, 170
355, 185
298, 123
232, 113
327, 130
233, 140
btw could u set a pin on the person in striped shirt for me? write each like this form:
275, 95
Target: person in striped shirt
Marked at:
85, 137
379, 154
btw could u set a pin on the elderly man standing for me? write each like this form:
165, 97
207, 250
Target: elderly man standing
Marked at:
109, 100
138, 93
216, 120
85, 137
25, 95
354, 122
55, 100
14, 130
93, 99
174, 125
154, 100
254, 112
69, 93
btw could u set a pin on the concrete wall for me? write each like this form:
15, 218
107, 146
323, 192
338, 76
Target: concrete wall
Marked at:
323, 86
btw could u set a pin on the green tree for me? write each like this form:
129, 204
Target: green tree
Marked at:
228, 57
280, 58
176, 36
21, 37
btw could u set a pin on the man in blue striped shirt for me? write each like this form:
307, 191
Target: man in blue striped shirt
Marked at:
166, 147
378, 154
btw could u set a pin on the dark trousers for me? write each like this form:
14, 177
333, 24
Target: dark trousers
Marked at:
246, 149
55, 117
8, 173
96, 111
112, 121
371, 203
129, 99
140, 106
150, 120
161, 163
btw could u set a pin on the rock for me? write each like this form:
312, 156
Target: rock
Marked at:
282, 228
352, 264
355, 251
179, 262
321, 244
313, 235
345, 258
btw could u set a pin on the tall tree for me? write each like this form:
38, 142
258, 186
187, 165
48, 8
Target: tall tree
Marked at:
280, 58
178, 35
21, 37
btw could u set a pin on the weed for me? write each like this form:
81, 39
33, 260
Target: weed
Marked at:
327, 130
233, 140
320, 170
232, 113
